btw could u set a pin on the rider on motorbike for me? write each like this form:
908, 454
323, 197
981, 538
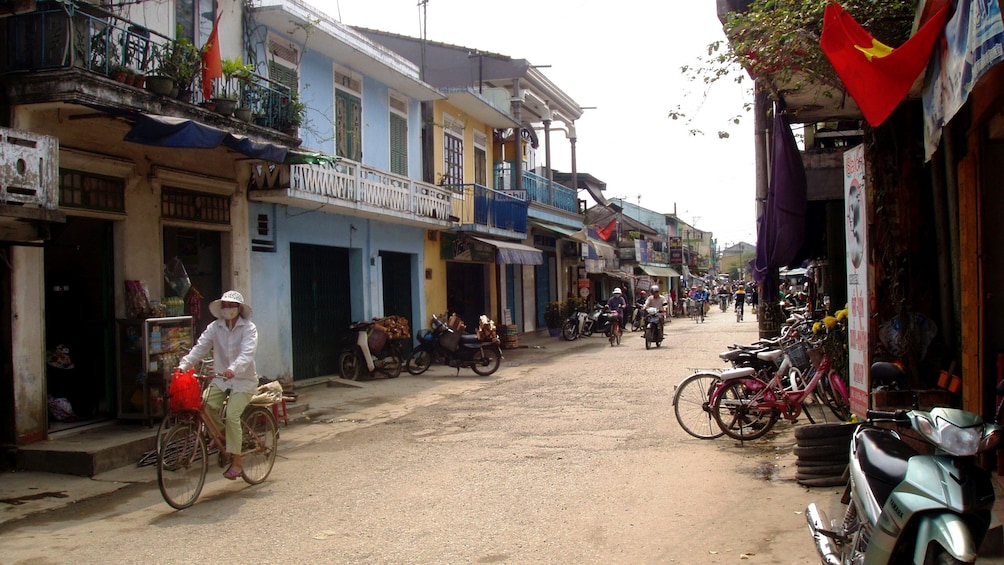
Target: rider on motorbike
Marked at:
617, 304
657, 300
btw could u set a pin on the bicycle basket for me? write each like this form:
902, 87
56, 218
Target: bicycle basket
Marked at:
796, 352
184, 394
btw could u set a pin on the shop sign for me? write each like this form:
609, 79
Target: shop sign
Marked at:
462, 247
858, 278
583, 288
645, 252
676, 250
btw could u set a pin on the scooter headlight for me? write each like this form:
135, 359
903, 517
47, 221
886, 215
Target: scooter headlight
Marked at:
961, 442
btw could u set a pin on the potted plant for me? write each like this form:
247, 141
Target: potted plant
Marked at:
233, 72
119, 73
186, 62
295, 111
553, 317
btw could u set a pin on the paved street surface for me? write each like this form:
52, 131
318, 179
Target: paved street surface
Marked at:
569, 454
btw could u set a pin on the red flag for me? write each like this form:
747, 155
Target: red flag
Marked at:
212, 63
607, 232
877, 76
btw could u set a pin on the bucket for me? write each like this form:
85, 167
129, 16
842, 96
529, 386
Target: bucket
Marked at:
509, 336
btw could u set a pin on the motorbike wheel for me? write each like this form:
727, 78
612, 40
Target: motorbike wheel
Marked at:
937, 555
732, 412
637, 323
392, 363
570, 331
351, 366
588, 330
486, 361
419, 361
648, 338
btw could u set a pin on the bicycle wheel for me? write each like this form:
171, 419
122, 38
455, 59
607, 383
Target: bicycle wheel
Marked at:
261, 437
691, 403
351, 366
182, 464
486, 361
734, 410
419, 361
618, 334
839, 406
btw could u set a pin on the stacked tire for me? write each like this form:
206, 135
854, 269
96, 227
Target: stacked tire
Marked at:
822, 454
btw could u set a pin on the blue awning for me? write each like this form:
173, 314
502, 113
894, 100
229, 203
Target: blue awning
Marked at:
167, 131
508, 252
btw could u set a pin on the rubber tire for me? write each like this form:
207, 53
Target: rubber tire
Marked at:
690, 394
820, 451
494, 360
419, 361
820, 471
182, 461
823, 482
823, 441
732, 391
813, 431
260, 421
810, 463
393, 356
351, 366
648, 339
569, 331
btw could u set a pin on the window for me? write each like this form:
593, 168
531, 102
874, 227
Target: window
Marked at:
398, 135
348, 115
92, 192
195, 19
283, 59
453, 151
480, 158
179, 204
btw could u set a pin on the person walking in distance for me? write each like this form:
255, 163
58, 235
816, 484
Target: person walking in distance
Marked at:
233, 338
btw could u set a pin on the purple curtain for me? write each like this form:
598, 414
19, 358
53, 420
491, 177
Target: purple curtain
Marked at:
781, 233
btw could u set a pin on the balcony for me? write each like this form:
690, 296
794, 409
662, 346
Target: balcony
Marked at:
539, 189
347, 187
84, 55
481, 209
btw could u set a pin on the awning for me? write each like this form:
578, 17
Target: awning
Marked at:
167, 131
792, 272
560, 230
514, 253
621, 275
659, 271
604, 250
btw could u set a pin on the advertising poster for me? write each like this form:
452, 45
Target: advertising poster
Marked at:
858, 283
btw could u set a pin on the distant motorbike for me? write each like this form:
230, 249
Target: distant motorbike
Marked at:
444, 345
637, 316
930, 507
653, 327
581, 323
372, 353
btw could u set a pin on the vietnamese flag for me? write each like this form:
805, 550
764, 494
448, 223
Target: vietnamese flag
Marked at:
212, 62
877, 76
607, 232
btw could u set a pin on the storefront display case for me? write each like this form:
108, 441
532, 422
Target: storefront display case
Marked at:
148, 350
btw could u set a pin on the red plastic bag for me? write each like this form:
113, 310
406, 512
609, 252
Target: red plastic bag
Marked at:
185, 395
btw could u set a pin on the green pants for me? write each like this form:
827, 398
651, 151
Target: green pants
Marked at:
235, 407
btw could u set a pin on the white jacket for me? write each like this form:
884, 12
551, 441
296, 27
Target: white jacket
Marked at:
232, 349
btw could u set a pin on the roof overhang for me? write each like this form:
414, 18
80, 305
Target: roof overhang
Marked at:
479, 107
344, 45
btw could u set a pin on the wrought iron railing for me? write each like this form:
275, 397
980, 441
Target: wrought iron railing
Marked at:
62, 36
480, 206
539, 189
355, 185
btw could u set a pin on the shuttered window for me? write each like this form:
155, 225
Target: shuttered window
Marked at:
398, 144
480, 166
348, 126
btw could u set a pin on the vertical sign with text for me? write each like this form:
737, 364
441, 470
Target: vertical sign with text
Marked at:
858, 282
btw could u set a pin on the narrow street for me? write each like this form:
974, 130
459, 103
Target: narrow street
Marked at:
571, 458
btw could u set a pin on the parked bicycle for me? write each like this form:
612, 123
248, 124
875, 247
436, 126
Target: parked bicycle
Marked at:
183, 458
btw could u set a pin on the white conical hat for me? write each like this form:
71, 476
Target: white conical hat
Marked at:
215, 307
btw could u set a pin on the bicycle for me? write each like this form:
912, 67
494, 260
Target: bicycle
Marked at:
183, 458
615, 329
739, 311
747, 407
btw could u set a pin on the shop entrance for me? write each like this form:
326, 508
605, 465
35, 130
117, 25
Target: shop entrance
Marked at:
7, 432
321, 304
467, 291
200, 251
397, 281
79, 321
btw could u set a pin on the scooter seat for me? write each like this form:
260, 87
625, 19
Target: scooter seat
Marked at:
883, 459
469, 339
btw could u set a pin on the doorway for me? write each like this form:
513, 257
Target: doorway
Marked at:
201, 252
7, 429
79, 320
466, 291
321, 298
397, 281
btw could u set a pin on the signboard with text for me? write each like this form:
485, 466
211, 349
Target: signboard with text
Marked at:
675, 250
858, 278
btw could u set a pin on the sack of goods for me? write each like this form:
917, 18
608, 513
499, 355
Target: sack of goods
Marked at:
456, 324
396, 327
185, 395
486, 329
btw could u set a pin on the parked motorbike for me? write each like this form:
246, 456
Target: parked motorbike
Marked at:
581, 323
372, 353
905, 506
637, 316
444, 345
653, 328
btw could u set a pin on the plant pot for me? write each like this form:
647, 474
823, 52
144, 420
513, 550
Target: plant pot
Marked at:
120, 76
260, 121
185, 95
225, 106
554, 332
138, 80
211, 106
158, 84
243, 114
174, 92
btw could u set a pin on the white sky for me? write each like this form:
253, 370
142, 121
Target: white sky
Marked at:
624, 58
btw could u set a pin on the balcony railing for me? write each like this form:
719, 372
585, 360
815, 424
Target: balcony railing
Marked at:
64, 37
480, 206
349, 185
538, 188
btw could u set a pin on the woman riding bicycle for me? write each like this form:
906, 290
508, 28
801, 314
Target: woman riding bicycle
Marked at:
233, 338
